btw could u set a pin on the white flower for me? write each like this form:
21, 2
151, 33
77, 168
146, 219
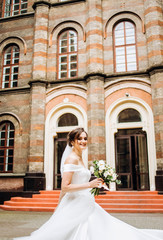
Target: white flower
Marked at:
111, 172
101, 165
92, 169
106, 173
101, 162
114, 176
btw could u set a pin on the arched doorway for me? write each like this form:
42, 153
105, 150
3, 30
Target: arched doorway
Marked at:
61, 119
60, 142
130, 146
131, 153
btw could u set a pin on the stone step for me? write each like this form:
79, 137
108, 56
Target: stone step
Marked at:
98, 200
104, 205
135, 201
109, 210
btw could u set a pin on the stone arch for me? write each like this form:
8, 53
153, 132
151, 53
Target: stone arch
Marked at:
123, 83
147, 124
51, 129
11, 40
65, 25
120, 16
7, 116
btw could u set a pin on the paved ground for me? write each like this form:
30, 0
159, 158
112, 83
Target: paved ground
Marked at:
16, 224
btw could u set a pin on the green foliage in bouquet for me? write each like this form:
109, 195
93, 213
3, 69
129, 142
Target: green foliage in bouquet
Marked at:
101, 170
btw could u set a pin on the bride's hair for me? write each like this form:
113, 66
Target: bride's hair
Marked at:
74, 134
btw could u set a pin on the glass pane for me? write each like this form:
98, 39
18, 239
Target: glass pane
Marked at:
143, 182
15, 69
7, 77
63, 49
131, 58
16, 1
129, 115
142, 154
119, 41
1, 160
11, 142
129, 25
1, 167
130, 40
67, 119
73, 41
119, 33
123, 156
60, 145
73, 66
73, 48
14, 84
63, 43
131, 50
24, 6
120, 59
73, 73
6, 70
120, 51
10, 152
64, 35
63, 74
9, 167
131, 66
125, 181
119, 26
130, 32
2, 143
120, 67
10, 160
11, 134
63, 67
1, 153
63, 59
72, 34
16, 7
73, 58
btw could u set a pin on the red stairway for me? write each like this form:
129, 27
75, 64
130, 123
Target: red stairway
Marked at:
113, 202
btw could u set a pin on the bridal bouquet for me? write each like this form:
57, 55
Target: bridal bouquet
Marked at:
101, 170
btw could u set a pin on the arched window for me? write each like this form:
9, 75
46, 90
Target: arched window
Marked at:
10, 67
67, 119
125, 57
67, 55
129, 115
7, 132
14, 7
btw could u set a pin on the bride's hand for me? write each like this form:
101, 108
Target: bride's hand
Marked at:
96, 183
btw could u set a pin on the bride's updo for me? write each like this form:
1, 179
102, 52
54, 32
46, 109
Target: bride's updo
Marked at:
74, 134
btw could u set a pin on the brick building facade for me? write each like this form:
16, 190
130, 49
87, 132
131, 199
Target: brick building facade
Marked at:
91, 63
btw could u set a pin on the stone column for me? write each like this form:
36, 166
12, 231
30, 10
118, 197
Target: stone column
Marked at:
40, 39
96, 118
154, 33
94, 37
95, 81
35, 178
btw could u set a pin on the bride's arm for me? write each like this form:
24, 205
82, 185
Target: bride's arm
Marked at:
67, 186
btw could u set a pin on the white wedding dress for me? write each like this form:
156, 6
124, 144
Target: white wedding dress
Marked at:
79, 217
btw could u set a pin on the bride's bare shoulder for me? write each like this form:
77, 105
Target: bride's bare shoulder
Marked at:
72, 159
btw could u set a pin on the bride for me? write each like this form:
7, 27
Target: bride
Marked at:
78, 216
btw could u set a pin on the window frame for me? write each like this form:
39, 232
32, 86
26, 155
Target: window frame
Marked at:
125, 46
5, 147
67, 54
12, 11
10, 67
